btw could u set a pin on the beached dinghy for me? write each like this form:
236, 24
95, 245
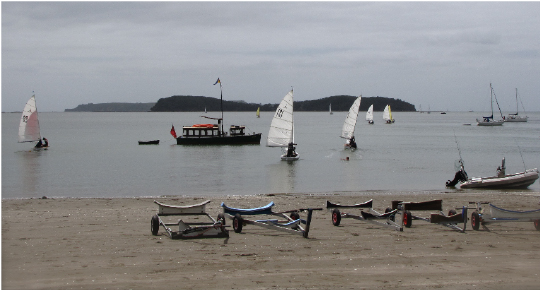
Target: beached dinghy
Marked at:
502, 180
451, 220
496, 214
371, 216
292, 223
188, 230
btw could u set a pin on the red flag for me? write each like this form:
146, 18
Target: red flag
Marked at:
173, 132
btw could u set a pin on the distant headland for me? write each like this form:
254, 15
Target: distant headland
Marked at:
200, 104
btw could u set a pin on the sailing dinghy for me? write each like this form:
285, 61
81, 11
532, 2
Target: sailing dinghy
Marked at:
387, 115
369, 115
347, 132
281, 133
490, 121
29, 125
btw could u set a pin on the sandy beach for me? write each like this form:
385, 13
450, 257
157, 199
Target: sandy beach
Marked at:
78, 243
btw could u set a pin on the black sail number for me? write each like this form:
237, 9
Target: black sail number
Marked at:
25, 119
279, 113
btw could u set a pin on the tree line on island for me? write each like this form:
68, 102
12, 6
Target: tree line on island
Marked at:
200, 104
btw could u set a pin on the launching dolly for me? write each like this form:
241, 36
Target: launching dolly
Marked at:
292, 224
371, 216
191, 230
496, 214
451, 220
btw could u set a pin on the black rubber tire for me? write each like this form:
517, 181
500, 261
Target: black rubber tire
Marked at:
452, 212
295, 216
537, 225
475, 221
221, 218
238, 223
392, 218
336, 217
407, 219
154, 225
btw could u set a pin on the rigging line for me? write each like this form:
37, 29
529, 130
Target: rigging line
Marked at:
523, 160
459, 150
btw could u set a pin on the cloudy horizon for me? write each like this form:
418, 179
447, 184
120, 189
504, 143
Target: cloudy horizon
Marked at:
441, 55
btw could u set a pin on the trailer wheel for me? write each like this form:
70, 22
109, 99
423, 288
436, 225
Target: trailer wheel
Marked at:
452, 212
336, 217
295, 216
154, 225
392, 218
221, 218
475, 221
407, 219
238, 222
537, 224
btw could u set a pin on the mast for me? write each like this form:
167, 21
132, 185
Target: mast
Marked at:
517, 107
221, 89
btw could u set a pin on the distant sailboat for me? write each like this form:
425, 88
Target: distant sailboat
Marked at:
330, 108
258, 112
347, 132
515, 117
29, 125
387, 115
490, 121
369, 115
205, 110
281, 133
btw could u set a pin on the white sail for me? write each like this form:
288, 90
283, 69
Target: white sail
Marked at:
282, 126
350, 121
369, 114
386, 113
29, 125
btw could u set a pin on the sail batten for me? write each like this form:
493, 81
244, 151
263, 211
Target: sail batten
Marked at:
350, 121
281, 129
29, 124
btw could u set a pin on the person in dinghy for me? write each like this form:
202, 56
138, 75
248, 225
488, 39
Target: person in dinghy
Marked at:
352, 143
291, 150
43, 144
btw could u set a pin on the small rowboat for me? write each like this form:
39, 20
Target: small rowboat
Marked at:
153, 142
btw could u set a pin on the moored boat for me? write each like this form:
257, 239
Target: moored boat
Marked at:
213, 134
516, 117
489, 120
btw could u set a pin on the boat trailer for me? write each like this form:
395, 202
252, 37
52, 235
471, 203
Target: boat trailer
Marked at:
291, 224
188, 230
496, 214
371, 216
451, 220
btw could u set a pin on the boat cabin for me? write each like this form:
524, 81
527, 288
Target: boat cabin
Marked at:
201, 130
211, 130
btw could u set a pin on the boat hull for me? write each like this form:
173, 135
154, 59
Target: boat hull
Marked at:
254, 139
285, 158
490, 123
153, 142
517, 181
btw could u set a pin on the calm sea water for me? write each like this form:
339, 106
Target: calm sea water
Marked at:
97, 155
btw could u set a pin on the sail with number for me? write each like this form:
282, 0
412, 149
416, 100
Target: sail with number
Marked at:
369, 114
387, 115
350, 121
282, 126
29, 125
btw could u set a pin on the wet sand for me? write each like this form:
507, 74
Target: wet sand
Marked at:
77, 243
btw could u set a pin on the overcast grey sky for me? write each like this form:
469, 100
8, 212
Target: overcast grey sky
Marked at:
441, 55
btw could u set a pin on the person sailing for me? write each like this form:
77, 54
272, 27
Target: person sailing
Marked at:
41, 144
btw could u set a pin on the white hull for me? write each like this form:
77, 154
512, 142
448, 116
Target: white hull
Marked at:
285, 158
517, 180
516, 119
489, 122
